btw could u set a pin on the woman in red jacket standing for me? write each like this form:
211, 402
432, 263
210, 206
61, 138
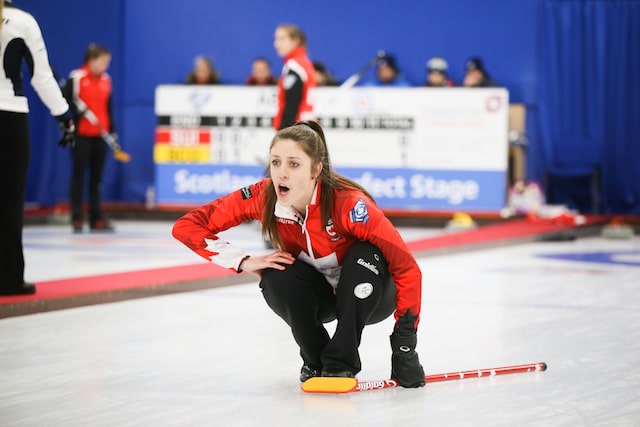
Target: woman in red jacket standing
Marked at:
297, 81
88, 91
337, 256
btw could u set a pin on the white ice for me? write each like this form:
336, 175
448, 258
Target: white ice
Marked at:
220, 357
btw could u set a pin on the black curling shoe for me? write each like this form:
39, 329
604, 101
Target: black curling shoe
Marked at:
25, 289
308, 372
101, 226
337, 372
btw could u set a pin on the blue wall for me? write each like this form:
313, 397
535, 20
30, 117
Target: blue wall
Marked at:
154, 42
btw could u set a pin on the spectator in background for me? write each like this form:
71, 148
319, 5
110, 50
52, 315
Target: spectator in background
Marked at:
21, 43
203, 72
476, 75
323, 75
437, 69
388, 74
297, 79
261, 73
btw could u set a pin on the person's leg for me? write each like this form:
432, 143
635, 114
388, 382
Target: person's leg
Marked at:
365, 295
97, 159
14, 165
302, 297
80, 161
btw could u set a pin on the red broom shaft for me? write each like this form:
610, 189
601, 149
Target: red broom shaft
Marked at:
449, 376
486, 372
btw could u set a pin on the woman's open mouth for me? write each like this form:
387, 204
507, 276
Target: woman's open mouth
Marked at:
283, 190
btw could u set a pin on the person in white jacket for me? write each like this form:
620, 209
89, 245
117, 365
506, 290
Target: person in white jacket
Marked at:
21, 42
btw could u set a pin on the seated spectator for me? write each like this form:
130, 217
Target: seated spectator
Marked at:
203, 72
437, 69
261, 73
388, 74
476, 75
323, 75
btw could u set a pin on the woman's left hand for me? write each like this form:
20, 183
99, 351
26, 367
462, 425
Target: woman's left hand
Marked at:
276, 260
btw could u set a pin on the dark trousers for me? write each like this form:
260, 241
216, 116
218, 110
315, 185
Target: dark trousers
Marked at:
15, 146
88, 153
304, 299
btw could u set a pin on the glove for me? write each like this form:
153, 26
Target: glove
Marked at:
405, 365
68, 128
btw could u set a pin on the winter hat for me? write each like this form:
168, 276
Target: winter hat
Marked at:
437, 64
389, 61
475, 63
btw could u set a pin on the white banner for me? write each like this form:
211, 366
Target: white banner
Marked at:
453, 134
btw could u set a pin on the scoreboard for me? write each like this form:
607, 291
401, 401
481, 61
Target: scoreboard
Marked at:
414, 149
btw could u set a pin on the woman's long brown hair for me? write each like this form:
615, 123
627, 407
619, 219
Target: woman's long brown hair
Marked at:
310, 137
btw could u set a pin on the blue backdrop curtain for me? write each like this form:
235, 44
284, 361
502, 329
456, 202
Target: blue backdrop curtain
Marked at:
589, 86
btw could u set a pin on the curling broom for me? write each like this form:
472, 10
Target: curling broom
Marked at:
118, 154
347, 385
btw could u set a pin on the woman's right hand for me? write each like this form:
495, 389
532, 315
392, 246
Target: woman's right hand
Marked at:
276, 260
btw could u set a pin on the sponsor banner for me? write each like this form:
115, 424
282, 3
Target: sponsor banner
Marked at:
199, 184
444, 190
397, 189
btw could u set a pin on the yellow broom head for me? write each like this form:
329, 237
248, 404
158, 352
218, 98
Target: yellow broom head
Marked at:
121, 156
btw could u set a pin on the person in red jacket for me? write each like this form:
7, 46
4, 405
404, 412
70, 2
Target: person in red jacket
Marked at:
336, 256
88, 91
297, 80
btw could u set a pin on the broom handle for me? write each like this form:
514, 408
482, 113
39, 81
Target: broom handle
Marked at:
449, 376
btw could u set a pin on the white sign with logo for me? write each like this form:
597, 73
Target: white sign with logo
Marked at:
414, 149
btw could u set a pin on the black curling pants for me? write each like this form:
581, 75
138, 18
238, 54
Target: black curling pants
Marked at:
304, 299
88, 153
15, 146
